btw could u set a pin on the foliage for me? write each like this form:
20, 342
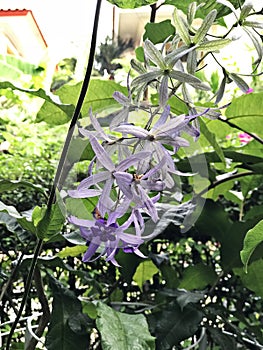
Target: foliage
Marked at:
108, 51
170, 164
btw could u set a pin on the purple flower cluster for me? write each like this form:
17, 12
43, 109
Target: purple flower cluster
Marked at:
133, 165
129, 187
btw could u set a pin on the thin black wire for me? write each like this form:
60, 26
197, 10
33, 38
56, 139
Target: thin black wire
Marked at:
76, 113
60, 168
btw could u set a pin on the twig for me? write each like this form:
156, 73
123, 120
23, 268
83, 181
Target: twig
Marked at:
229, 178
255, 137
44, 319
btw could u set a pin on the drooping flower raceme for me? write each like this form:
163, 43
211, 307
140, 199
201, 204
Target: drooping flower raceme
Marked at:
131, 182
129, 188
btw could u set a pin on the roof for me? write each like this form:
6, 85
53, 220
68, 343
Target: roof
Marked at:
22, 32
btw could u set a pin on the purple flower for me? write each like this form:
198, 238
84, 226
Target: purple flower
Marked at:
163, 70
137, 186
108, 176
110, 236
111, 143
162, 133
249, 91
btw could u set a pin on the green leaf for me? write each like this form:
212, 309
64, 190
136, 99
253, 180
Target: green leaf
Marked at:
120, 331
75, 237
225, 341
80, 207
175, 325
177, 106
67, 328
131, 4
90, 309
27, 225
211, 138
58, 113
206, 7
252, 239
252, 278
197, 277
158, 32
10, 210
184, 297
48, 222
249, 183
169, 275
98, 97
9, 185
181, 27
79, 149
213, 45
8, 72
187, 297
205, 26
72, 251
144, 272
19, 64
247, 112
219, 190
139, 52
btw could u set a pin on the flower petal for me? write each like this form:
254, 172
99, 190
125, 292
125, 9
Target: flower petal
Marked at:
84, 193
93, 180
154, 54
101, 154
146, 78
163, 118
133, 130
132, 160
90, 252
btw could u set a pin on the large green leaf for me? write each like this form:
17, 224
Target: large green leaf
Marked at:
253, 238
19, 64
9, 209
120, 331
252, 279
211, 138
144, 272
175, 325
225, 341
10, 185
247, 112
214, 221
48, 222
99, 95
197, 277
66, 330
9, 72
158, 32
56, 112
207, 7
131, 4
